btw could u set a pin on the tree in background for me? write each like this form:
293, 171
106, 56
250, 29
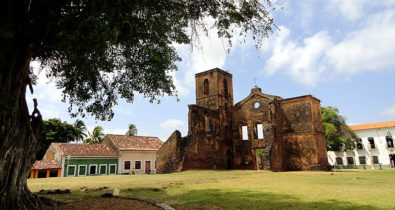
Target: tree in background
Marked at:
96, 137
337, 134
132, 130
80, 129
57, 131
97, 51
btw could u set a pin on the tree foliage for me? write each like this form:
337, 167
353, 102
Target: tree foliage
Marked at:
101, 50
96, 137
132, 131
58, 131
80, 129
337, 134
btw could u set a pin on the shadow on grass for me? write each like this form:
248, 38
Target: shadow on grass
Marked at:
245, 199
222, 199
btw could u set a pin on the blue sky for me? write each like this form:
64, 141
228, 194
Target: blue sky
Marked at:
342, 52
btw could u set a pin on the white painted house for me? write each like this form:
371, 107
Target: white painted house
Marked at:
377, 147
137, 154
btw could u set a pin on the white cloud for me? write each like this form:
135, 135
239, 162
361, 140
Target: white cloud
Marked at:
171, 124
301, 62
318, 58
120, 131
389, 111
368, 49
350, 9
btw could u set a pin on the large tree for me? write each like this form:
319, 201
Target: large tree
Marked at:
97, 51
337, 134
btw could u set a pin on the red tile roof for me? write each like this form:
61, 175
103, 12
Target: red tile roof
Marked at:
88, 150
45, 164
387, 124
123, 142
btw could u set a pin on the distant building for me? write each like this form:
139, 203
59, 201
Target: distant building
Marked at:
83, 159
376, 147
45, 169
137, 154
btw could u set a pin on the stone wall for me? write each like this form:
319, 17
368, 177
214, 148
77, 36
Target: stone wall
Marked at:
169, 157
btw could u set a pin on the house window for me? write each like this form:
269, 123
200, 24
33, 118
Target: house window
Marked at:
103, 169
339, 161
362, 160
113, 169
244, 132
137, 164
371, 142
71, 170
375, 160
92, 169
350, 160
206, 87
82, 170
225, 87
126, 165
359, 144
390, 142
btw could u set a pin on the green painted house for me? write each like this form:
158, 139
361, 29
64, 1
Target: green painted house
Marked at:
83, 159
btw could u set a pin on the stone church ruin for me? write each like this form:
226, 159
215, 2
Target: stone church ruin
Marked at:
260, 132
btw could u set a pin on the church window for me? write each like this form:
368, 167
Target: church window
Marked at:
259, 128
207, 123
225, 87
244, 132
206, 87
256, 105
339, 161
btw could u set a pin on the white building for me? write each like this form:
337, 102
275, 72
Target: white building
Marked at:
377, 147
137, 154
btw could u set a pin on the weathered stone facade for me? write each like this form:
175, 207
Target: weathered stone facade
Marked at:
283, 134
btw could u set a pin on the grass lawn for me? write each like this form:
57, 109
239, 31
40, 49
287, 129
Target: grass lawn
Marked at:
235, 189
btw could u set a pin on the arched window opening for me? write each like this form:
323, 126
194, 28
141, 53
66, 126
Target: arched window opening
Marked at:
244, 132
206, 87
225, 87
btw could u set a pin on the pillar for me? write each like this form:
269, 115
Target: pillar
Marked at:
32, 174
36, 173
59, 172
47, 173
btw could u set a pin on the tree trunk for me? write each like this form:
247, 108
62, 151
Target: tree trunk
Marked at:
21, 134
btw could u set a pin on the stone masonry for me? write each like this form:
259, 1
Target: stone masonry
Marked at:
279, 134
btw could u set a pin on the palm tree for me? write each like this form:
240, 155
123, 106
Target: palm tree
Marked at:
132, 130
80, 130
96, 136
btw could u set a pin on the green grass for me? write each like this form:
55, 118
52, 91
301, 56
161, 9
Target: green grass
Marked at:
235, 189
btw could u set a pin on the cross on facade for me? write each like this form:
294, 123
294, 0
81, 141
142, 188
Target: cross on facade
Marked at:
255, 79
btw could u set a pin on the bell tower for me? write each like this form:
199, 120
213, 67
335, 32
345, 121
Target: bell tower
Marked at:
214, 89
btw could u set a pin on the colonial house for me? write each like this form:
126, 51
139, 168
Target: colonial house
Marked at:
45, 169
137, 154
83, 159
374, 148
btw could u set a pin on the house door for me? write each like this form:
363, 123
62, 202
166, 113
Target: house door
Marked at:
92, 169
147, 167
392, 161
